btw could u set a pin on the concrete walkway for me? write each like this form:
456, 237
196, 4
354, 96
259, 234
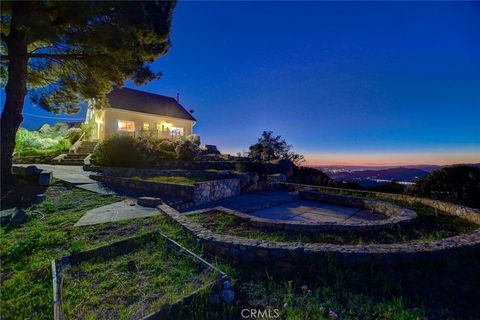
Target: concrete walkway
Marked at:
75, 176
313, 211
285, 205
123, 210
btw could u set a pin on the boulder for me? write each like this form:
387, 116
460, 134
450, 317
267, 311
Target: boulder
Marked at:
29, 172
19, 217
149, 201
41, 197
6, 216
45, 178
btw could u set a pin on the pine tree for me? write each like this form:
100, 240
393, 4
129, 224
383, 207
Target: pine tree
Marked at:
66, 52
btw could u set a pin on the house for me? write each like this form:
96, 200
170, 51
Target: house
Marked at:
140, 113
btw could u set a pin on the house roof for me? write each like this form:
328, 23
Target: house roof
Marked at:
146, 102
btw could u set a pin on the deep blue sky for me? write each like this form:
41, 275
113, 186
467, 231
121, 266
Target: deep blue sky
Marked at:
376, 82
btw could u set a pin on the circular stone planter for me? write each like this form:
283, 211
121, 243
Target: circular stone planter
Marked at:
293, 254
395, 215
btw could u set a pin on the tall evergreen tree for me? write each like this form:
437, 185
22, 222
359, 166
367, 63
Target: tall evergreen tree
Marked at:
65, 52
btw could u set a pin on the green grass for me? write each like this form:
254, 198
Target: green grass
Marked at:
445, 290
174, 179
27, 251
427, 227
113, 290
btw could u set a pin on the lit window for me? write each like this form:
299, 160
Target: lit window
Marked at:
124, 125
146, 126
159, 127
176, 131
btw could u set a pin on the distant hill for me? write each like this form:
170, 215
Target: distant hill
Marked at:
399, 173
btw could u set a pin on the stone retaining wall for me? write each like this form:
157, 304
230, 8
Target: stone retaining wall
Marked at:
199, 193
464, 212
294, 255
207, 191
33, 160
149, 187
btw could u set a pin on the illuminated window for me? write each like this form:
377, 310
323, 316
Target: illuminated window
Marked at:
176, 131
159, 127
124, 125
146, 126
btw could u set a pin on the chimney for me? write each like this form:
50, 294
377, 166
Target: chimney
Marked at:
178, 97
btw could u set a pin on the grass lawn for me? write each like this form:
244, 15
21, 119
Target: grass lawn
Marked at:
174, 179
27, 251
444, 291
132, 285
427, 227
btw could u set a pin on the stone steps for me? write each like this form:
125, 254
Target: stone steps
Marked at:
83, 151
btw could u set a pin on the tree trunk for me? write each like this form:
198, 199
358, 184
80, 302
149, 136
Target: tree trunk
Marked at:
15, 92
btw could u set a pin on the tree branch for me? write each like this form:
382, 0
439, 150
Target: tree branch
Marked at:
66, 56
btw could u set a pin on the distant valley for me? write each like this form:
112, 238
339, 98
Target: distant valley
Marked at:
373, 176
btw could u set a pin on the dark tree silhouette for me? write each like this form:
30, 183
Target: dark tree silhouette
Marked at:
270, 147
459, 184
66, 52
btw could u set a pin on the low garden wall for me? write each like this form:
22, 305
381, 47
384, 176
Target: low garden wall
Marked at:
199, 193
33, 160
149, 187
460, 211
222, 283
291, 256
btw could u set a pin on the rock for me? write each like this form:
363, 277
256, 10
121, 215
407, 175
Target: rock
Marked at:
41, 197
132, 266
228, 295
26, 172
45, 178
19, 217
149, 201
5, 217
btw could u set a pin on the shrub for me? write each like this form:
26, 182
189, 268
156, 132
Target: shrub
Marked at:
120, 151
186, 150
167, 146
87, 129
194, 138
73, 134
459, 184
64, 145
165, 155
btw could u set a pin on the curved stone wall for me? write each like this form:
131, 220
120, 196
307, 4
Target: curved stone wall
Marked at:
467, 213
396, 215
244, 250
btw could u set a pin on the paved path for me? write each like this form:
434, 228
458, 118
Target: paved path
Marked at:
250, 202
74, 175
123, 210
313, 211
285, 205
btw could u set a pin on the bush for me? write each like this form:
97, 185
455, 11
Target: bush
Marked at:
186, 150
165, 155
120, 151
459, 184
73, 134
64, 145
87, 129
167, 146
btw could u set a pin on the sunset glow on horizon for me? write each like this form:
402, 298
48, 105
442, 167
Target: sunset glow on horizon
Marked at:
391, 159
